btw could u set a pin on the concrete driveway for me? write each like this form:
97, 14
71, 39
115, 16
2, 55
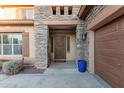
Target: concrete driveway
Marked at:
59, 75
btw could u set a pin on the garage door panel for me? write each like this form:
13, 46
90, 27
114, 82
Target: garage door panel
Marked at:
109, 78
108, 69
122, 79
121, 22
109, 28
107, 60
121, 43
122, 82
112, 44
106, 72
115, 84
113, 54
122, 67
121, 34
109, 52
108, 37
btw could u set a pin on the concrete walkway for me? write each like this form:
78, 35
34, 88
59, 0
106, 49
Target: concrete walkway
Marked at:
59, 75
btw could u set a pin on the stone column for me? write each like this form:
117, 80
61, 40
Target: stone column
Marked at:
66, 10
79, 41
57, 10
82, 46
75, 10
41, 38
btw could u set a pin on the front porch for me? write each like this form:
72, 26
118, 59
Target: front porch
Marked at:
58, 75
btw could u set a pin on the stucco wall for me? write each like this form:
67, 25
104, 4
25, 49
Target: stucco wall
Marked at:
22, 29
71, 56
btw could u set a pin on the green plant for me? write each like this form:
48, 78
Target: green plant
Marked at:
12, 67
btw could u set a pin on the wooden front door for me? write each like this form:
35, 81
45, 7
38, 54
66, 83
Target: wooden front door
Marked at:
60, 48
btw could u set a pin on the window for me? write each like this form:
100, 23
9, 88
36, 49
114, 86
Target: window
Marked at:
2, 13
70, 10
7, 13
68, 44
54, 10
29, 13
62, 10
51, 44
7, 44
17, 44
10, 44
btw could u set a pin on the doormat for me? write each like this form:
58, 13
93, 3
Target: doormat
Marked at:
28, 70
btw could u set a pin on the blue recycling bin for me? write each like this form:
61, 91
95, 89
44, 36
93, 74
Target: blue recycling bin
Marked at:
82, 65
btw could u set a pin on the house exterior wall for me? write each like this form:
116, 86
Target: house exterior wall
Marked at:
79, 41
39, 34
41, 37
71, 56
87, 47
21, 29
42, 14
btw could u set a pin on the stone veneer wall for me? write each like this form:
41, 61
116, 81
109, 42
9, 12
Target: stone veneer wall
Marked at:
94, 12
44, 13
79, 41
83, 46
41, 38
41, 14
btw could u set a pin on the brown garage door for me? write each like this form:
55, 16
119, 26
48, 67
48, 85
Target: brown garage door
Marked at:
109, 52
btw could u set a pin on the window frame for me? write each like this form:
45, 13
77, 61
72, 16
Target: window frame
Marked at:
52, 42
12, 44
68, 44
27, 12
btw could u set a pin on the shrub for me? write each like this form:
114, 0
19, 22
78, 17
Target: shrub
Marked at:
12, 67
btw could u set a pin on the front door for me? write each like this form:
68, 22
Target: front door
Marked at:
60, 48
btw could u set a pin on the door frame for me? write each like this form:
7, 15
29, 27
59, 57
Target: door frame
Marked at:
68, 33
54, 50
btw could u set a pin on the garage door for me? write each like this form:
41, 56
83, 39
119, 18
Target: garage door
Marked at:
109, 52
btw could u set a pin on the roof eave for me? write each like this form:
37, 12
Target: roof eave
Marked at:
84, 11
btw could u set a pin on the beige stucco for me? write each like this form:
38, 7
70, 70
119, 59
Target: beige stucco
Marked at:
91, 52
71, 56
